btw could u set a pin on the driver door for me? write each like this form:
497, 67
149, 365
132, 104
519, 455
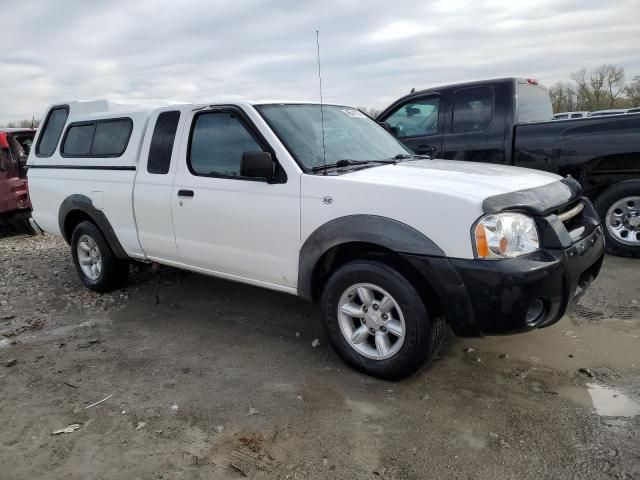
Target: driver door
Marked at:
237, 227
418, 123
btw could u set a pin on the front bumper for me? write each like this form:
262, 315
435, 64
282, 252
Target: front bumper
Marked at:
502, 292
493, 297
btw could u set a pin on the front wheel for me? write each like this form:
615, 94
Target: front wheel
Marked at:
619, 210
98, 268
377, 322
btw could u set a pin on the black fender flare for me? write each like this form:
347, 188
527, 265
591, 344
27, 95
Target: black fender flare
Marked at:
84, 204
382, 231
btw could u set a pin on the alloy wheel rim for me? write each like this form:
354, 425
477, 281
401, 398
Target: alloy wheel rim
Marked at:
623, 220
89, 257
371, 321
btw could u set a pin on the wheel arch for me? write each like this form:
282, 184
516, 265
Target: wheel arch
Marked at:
355, 236
599, 174
77, 208
613, 193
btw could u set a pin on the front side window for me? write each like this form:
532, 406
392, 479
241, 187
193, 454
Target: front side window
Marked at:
101, 138
472, 109
218, 141
51, 131
21, 146
23, 143
416, 118
347, 134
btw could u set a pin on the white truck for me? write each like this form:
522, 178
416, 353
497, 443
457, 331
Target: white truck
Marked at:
321, 202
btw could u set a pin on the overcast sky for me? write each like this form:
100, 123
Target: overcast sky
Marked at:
372, 52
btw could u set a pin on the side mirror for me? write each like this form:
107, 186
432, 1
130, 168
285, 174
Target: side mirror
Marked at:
257, 165
392, 130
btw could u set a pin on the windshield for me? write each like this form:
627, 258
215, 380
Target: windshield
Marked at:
348, 134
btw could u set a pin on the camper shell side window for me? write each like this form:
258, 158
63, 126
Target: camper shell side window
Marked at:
97, 138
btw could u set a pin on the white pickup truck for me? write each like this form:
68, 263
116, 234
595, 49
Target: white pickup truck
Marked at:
320, 202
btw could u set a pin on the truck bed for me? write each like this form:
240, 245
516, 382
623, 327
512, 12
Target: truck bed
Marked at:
597, 151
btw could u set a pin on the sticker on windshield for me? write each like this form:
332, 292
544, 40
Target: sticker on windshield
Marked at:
353, 113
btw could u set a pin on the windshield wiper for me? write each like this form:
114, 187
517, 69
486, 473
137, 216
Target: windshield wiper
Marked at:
347, 163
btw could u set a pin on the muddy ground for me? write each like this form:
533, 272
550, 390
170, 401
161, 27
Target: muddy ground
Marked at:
211, 379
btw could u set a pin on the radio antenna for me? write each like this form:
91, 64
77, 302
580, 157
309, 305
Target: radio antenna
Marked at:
324, 150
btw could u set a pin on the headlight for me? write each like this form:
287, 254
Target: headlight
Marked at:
505, 235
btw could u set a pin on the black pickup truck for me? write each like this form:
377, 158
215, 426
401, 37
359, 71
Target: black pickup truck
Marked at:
509, 121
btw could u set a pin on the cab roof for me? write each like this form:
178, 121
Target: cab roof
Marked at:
475, 83
83, 109
106, 105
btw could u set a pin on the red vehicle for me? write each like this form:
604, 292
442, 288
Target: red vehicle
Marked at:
15, 206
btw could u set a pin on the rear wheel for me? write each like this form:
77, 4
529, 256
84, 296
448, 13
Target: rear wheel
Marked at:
377, 321
619, 210
98, 268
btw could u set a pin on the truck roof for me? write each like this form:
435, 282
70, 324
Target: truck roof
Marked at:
477, 83
81, 109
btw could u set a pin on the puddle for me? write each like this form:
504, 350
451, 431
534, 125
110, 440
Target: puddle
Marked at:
564, 347
606, 401
364, 408
609, 402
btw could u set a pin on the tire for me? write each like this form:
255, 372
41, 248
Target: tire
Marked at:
22, 223
112, 272
422, 333
18, 223
613, 197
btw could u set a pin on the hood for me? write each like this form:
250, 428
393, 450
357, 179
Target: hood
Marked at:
469, 179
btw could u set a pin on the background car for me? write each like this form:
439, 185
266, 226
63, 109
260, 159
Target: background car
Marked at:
570, 115
15, 207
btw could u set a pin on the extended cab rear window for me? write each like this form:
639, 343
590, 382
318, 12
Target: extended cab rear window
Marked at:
99, 138
162, 140
51, 131
472, 109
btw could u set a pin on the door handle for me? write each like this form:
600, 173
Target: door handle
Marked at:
185, 193
425, 149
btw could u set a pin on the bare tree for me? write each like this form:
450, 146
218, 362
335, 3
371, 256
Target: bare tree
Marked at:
614, 82
26, 123
563, 97
633, 92
602, 87
587, 96
370, 112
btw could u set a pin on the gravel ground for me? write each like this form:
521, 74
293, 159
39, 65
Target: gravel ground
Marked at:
205, 378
